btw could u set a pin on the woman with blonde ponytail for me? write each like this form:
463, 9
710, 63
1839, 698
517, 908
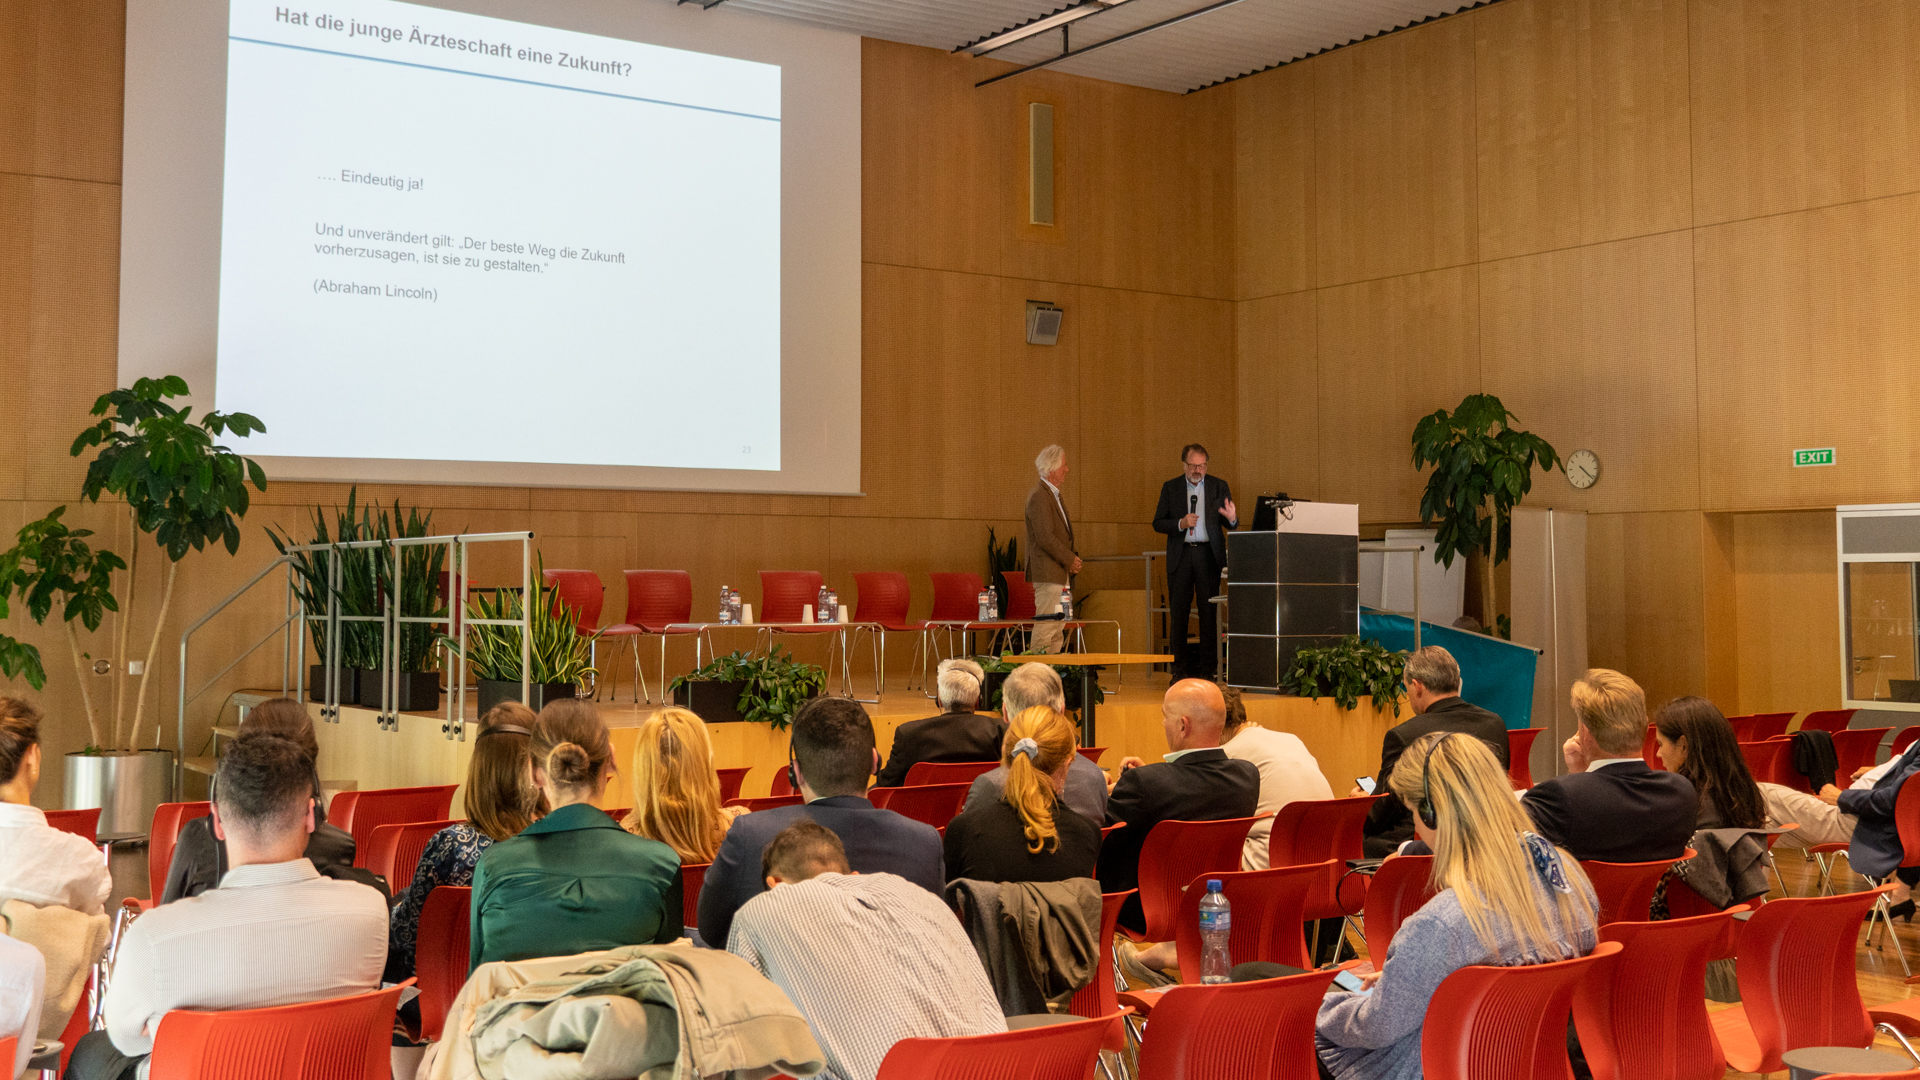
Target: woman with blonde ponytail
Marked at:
573, 881
1028, 834
1505, 896
676, 793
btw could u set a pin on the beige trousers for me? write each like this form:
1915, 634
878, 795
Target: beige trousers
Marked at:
1048, 637
1819, 823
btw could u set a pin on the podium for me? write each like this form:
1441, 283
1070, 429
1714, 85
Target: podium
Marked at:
1293, 588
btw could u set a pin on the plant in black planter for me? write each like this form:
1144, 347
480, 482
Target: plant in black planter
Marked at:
359, 642
997, 671
560, 653
739, 686
1347, 671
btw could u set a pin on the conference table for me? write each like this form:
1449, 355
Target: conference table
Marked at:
1089, 665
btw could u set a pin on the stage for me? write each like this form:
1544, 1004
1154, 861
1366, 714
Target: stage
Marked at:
356, 754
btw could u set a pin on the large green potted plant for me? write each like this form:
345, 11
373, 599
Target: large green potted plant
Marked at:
1346, 672
1482, 468
561, 655
51, 564
358, 642
739, 686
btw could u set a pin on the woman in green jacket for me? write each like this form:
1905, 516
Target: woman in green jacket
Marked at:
574, 881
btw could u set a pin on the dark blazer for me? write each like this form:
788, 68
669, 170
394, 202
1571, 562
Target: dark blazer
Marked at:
200, 858
1390, 823
1203, 785
877, 842
954, 736
989, 843
1173, 506
1876, 849
1625, 812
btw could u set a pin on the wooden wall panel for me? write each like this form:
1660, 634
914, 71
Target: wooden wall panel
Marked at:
1803, 103
1592, 348
1788, 611
1636, 168
1722, 613
1645, 600
60, 88
1528, 91
1273, 181
1391, 351
1276, 379
1394, 154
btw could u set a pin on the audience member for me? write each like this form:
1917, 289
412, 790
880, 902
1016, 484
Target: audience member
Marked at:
832, 759
573, 881
1506, 896
1029, 834
1025, 687
39, 864
1196, 782
1826, 819
869, 959
1288, 772
500, 800
23, 983
274, 933
1433, 691
1696, 741
1611, 806
200, 859
676, 792
957, 734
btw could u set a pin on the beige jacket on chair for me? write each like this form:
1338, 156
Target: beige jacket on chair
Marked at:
71, 942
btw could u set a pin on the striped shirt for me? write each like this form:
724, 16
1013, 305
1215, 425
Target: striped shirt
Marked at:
870, 959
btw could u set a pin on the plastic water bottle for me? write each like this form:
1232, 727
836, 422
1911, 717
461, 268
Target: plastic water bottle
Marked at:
993, 605
1216, 922
734, 608
726, 604
820, 613
833, 607
1066, 601
981, 599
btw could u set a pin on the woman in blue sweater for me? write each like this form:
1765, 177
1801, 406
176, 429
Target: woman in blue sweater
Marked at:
1505, 896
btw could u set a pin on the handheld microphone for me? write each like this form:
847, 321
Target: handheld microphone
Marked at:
1193, 504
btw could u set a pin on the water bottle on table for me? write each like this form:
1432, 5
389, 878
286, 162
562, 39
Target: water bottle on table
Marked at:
726, 604
1066, 601
1216, 922
981, 601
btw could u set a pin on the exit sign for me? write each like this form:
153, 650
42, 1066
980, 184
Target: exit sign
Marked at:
1812, 457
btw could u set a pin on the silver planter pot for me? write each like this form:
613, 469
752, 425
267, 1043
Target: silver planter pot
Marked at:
125, 784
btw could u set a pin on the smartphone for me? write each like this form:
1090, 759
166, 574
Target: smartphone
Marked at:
1347, 980
1365, 783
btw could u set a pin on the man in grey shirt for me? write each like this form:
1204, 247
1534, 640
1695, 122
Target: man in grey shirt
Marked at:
1027, 686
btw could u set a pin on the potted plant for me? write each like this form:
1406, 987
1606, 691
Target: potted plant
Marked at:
739, 686
419, 596
1347, 671
1481, 464
359, 642
561, 654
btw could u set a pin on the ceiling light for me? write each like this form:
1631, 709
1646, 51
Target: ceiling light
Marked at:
1038, 26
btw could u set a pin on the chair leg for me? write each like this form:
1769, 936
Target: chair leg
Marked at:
639, 674
1901, 1039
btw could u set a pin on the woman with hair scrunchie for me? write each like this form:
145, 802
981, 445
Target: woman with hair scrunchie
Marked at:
1029, 834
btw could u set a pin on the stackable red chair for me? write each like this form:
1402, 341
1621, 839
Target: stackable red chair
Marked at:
692, 877
84, 823
339, 1039
1097, 998
1519, 756
1626, 890
1769, 725
934, 804
1268, 912
1647, 1020
361, 812
784, 592
1764, 759
1259, 1030
1905, 739
1855, 748
657, 599
1797, 981
442, 954
168, 819
956, 598
1092, 753
1399, 888
1174, 854
1315, 830
884, 597
730, 781
394, 850
1019, 595
1505, 1023
1066, 1051
1650, 750
1830, 721
581, 592
767, 802
946, 772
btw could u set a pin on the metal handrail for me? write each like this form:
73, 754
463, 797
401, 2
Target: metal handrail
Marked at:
180, 719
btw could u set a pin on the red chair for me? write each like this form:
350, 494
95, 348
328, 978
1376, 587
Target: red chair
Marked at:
730, 781
1905, 739
1764, 759
692, 877
656, 599
77, 1024
947, 772
338, 1039
394, 850
582, 592
1519, 756
365, 811
1019, 595
1770, 725
1247, 1031
168, 820
934, 804
1092, 753
1854, 749
1648, 1019
1399, 888
782, 783
1505, 1023
1268, 912
1650, 749
1175, 853
1097, 998
1626, 890
1066, 1051
617, 813
441, 954
884, 598
83, 823
956, 599
784, 592
1830, 721
1315, 830
767, 802
1797, 981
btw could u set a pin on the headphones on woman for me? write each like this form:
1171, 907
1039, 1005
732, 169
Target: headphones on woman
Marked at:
1429, 816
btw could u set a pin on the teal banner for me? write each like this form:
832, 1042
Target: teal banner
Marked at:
1495, 675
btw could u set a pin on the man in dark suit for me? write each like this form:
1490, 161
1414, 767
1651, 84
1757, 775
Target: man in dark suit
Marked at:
1196, 512
1876, 849
1196, 782
1433, 689
833, 755
1610, 806
957, 734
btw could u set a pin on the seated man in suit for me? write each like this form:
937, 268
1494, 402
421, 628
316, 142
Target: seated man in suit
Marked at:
833, 757
1875, 848
1433, 689
957, 734
1196, 782
1610, 806
1025, 687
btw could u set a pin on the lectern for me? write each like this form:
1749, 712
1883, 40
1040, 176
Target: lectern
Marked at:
1293, 588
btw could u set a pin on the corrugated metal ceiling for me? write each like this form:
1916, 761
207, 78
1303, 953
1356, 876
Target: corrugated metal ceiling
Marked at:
1236, 40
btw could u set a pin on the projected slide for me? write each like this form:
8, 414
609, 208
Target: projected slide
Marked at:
459, 238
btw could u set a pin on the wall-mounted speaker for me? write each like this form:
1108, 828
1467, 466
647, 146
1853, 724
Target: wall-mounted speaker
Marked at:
1043, 323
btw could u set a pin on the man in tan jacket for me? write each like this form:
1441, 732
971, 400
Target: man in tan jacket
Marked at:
1051, 561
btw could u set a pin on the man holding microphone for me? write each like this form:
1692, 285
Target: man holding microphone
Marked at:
1196, 511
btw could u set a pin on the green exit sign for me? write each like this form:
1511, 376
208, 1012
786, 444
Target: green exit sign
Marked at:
1812, 457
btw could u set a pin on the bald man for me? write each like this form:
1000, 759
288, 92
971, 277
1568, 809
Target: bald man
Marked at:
1196, 781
